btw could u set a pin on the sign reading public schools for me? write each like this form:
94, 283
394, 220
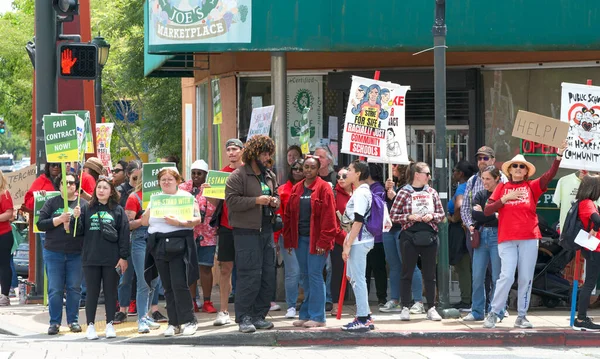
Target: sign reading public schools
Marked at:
162, 205
150, 183
217, 181
38, 203
60, 135
199, 21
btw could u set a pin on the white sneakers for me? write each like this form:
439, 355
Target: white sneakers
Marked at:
291, 313
171, 331
274, 307
417, 308
405, 314
4, 300
189, 328
91, 332
110, 331
432, 314
222, 319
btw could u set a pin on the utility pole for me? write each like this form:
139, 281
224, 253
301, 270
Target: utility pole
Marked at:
279, 127
46, 102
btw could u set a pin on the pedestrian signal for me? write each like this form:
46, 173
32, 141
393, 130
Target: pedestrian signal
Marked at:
78, 61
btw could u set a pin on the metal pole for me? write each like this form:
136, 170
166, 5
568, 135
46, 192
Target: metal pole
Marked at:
98, 95
46, 102
279, 127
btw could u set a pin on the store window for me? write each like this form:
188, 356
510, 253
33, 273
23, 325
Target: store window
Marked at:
254, 92
202, 121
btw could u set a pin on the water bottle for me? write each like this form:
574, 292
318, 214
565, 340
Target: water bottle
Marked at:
22, 291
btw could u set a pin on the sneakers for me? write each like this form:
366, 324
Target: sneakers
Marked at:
90, 333
432, 314
523, 323
208, 307
12, 293
172, 330
4, 300
328, 306
75, 328
132, 309
143, 327
151, 323
490, 320
461, 305
390, 307
313, 324
246, 325
274, 307
159, 318
417, 308
262, 324
471, 318
189, 328
231, 298
405, 314
110, 331
291, 313
586, 325
120, 317
222, 319
53, 329
357, 326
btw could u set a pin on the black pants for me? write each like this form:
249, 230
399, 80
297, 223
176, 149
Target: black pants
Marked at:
337, 272
410, 255
6, 243
173, 274
592, 271
255, 267
107, 277
376, 266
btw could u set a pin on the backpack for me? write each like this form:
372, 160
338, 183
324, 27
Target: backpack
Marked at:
376, 214
571, 228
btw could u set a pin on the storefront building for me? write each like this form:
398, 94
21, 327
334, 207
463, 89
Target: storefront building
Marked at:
502, 57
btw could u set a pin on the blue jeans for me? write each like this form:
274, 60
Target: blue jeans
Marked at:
14, 283
64, 271
355, 270
482, 256
391, 246
292, 274
125, 283
158, 289
311, 271
328, 280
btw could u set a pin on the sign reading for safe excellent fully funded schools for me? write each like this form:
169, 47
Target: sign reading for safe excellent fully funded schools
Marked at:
60, 135
181, 207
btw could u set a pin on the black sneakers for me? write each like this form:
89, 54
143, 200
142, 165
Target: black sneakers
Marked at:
159, 318
53, 329
120, 317
586, 325
246, 325
262, 324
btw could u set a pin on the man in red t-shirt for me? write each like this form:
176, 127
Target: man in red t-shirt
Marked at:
226, 251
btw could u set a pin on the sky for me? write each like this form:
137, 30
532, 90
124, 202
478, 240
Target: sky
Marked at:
5, 5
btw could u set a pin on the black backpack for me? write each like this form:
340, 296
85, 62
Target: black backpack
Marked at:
571, 228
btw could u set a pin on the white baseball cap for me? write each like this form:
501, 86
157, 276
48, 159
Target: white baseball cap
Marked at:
200, 165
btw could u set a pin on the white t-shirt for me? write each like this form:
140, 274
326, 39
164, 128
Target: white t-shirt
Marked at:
160, 225
360, 203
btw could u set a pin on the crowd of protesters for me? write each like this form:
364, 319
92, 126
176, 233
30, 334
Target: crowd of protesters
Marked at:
317, 222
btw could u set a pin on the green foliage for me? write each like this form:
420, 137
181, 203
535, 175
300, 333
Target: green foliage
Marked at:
15, 145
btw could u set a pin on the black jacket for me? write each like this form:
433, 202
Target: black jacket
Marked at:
156, 250
479, 218
57, 239
97, 251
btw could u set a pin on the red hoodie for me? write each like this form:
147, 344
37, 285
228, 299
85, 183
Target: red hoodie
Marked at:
341, 200
42, 183
323, 223
284, 196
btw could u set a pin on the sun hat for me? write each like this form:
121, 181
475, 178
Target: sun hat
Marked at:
519, 159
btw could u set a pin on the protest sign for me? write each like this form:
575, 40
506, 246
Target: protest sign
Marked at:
217, 180
38, 203
162, 205
580, 108
87, 129
541, 129
305, 131
103, 137
60, 135
260, 121
374, 125
150, 183
19, 182
216, 97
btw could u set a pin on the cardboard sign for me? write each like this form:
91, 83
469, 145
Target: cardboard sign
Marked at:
217, 180
540, 129
19, 182
150, 183
61, 139
38, 203
260, 121
181, 207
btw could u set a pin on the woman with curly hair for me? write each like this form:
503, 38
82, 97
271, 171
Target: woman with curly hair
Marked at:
252, 198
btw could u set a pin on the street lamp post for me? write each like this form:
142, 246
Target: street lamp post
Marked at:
103, 51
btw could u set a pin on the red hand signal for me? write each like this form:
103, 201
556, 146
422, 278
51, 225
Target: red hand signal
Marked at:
67, 61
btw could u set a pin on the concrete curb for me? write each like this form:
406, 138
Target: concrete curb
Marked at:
291, 338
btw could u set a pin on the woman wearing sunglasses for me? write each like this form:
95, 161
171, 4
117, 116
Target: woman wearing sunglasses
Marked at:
62, 256
45, 182
291, 267
309, 227
518, 232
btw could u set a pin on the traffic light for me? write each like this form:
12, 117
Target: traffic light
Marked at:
78, 61
2, 127
66, 7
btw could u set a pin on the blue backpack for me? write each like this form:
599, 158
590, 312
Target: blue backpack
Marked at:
375, 214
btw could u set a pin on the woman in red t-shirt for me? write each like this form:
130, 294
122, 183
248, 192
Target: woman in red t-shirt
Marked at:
518, 232
587, 194
6, 241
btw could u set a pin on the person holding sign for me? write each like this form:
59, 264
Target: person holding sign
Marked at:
6, 240
45, 182
518, 232
418, 209
105, 228
171, 244
310, 227
62, 255
587, 194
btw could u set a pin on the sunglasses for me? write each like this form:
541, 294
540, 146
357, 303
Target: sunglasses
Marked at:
71, 183
117, 170
342, 177
54, 165
297, 169
426, 173
196, 173
483, 158
516, 165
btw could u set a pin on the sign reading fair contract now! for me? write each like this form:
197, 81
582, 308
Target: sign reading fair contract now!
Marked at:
60, 133
181, 207
150, 183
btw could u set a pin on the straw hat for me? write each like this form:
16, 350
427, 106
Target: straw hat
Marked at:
519, 159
